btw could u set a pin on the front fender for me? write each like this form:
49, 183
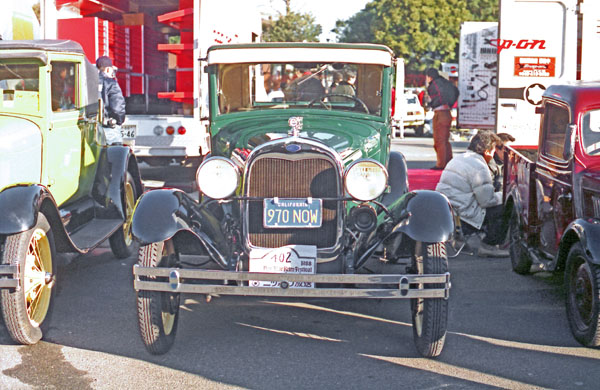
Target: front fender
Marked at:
19, 207
119, 163
585, 231
430, 217
160, 214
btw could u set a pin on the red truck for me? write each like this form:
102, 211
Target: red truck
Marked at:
552, 195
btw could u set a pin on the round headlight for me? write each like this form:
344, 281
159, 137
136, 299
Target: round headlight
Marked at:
217, 177
365, 179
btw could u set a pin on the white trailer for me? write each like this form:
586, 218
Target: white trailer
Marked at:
541, 42
160, 139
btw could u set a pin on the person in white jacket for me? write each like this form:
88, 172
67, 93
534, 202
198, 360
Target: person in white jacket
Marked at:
467, 183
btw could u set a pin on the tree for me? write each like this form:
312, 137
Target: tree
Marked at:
423, 32
291, 27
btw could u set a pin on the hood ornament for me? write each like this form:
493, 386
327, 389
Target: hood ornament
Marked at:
295, 124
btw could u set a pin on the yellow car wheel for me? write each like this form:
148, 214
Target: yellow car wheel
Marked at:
26, 308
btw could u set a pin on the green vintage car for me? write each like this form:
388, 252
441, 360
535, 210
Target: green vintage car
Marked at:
61, 189
301, 196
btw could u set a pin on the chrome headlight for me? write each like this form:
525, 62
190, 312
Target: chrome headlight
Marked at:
217, 177
365, 179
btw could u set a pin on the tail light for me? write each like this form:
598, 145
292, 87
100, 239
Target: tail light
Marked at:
181, 130
170, 130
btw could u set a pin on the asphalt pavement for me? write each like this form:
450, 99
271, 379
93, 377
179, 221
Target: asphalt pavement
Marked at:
505, 331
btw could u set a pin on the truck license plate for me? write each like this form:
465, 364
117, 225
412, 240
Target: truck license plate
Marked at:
129, 131
292, 213
291, 259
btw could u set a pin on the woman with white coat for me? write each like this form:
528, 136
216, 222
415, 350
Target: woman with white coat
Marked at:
468, 184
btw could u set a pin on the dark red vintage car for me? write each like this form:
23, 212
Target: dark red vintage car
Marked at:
553, 196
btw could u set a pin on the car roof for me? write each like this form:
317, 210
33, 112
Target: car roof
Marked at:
286, 52
579, 95
62, 45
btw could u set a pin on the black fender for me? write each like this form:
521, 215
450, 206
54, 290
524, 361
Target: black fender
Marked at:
114, 164
20, 206
162, 214
397, 178
587, 232
427, 216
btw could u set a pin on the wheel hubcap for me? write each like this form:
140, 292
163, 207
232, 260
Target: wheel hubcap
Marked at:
583, 299
37, 278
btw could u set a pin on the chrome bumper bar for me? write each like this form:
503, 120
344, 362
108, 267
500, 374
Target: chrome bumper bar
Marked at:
182, 281
9, 277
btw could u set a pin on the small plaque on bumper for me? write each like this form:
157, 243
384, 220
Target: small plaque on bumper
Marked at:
293, 259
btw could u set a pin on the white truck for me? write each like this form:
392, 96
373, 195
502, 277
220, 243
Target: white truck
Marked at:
541, 42
178, 134
160, 139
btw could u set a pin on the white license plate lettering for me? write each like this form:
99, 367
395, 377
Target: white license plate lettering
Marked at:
292, 259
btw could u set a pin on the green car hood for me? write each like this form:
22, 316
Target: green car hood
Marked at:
20, 151
351, 138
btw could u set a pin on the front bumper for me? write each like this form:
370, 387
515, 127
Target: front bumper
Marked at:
9, 276
183, 281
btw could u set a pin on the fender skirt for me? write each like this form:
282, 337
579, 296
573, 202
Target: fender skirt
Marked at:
161, 214
426, 216
588, 233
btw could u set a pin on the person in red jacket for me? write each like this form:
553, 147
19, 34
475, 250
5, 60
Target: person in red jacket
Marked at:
442, 94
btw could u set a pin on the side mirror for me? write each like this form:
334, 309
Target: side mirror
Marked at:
570, 136
539, 109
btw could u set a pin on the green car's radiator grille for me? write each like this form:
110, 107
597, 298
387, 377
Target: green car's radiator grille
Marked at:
277, 177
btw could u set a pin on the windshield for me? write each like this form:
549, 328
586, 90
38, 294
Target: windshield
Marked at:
339, 86
591, 132
19, 86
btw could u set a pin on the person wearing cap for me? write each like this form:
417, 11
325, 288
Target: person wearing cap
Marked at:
442, 94
114, 102
346, 86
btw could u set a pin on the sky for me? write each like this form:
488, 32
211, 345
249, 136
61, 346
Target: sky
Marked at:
326, 12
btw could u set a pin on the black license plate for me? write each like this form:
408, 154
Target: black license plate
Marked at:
292, 213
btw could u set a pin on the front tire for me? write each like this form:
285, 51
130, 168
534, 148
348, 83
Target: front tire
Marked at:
158, 312
28, 307
419, 131
582, 280
121, 241
430, 316
519, 258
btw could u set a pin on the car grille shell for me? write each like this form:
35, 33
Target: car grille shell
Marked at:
298, 176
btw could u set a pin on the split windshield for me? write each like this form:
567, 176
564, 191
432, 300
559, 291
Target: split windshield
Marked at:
591, 132
339, 86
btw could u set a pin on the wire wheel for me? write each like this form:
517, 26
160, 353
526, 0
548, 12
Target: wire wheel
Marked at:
26, 308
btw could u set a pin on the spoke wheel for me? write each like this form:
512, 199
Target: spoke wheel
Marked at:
582, 279
158, 312
26, 308
121, 242
519, 258
430, 316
